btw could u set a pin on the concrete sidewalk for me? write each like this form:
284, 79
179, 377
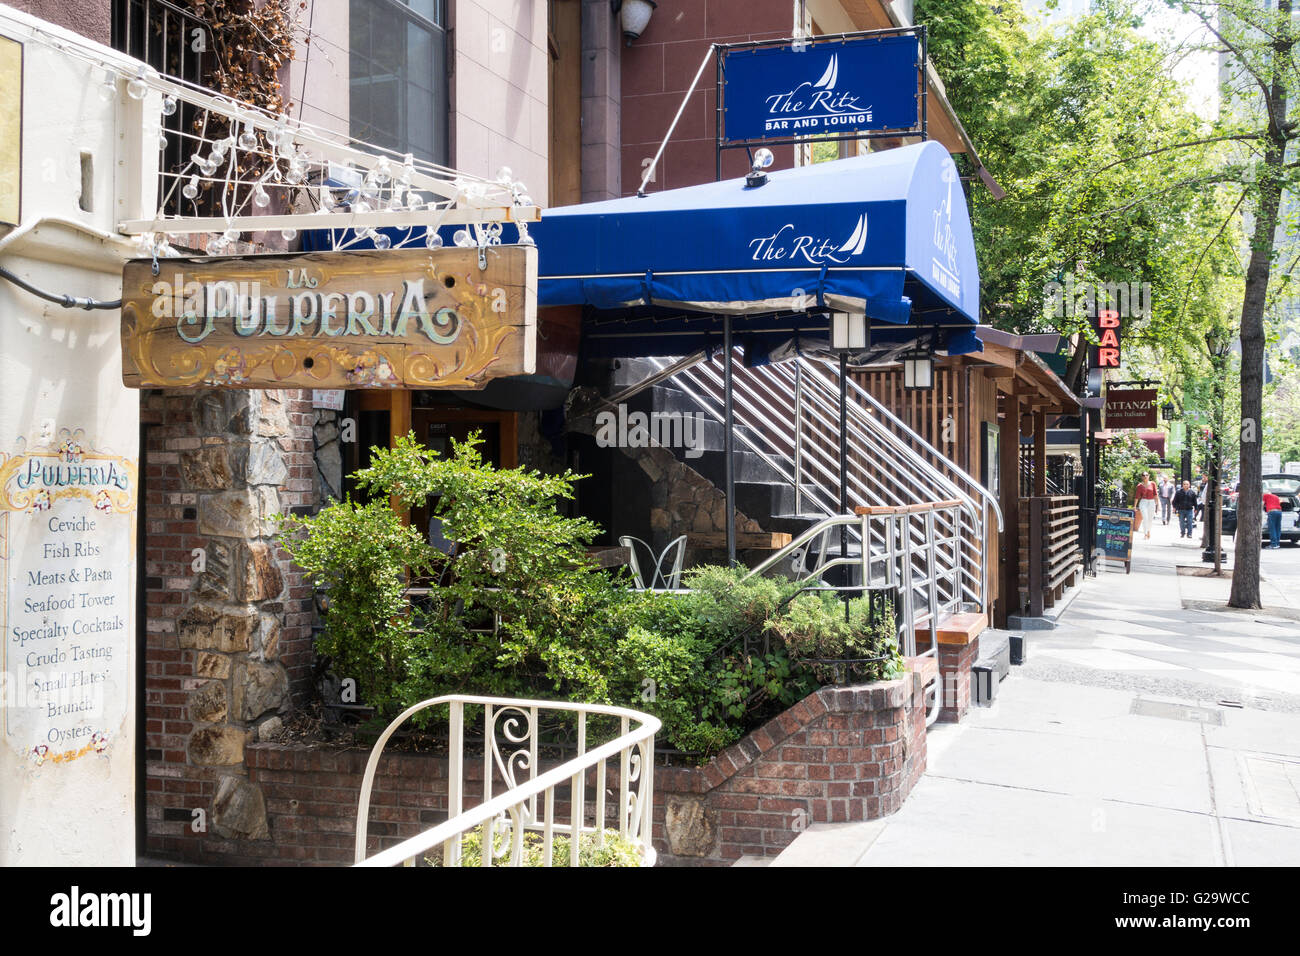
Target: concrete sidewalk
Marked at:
1061, 775
1145, 730
1163, 629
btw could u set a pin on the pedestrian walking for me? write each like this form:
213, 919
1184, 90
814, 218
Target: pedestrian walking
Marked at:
1184, 504
1166, 492
1202, 495
1144, 500
1273, 510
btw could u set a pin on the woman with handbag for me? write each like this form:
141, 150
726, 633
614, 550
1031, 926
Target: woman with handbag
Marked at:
1145, 502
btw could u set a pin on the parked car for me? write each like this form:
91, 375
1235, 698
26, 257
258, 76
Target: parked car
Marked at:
1287, 488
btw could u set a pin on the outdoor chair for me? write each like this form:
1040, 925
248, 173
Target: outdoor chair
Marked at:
660, 579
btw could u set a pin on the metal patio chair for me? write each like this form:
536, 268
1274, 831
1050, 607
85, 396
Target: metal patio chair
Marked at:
660, 580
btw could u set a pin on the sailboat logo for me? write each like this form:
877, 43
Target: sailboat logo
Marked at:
832, 74
858, 241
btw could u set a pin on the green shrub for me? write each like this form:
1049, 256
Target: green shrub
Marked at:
711, 663
614, 850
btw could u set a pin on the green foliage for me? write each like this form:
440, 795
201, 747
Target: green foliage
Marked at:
359, 555
613, 850
711, 663
1123, 460
1058, 115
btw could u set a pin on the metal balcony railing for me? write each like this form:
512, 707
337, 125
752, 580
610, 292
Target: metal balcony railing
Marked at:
518, 798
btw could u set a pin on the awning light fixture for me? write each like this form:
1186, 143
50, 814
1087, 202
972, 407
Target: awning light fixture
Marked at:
763, 158
848, 331
918, 370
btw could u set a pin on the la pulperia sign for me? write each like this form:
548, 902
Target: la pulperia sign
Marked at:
812, 89
409, 318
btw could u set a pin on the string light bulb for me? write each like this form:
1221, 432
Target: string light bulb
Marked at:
137, 88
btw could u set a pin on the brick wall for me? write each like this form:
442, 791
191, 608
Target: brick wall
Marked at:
841, 754
955, 662
228, 646
657, 70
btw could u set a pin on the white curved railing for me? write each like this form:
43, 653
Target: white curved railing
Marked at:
510, 747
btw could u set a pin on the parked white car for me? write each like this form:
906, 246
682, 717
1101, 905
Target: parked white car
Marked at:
1287, 488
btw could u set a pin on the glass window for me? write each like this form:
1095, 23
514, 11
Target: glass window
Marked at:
398, 77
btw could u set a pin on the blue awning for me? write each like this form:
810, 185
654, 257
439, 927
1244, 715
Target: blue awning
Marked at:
886, 233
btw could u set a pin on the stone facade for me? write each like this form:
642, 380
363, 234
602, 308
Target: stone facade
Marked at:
683, 501
228, 618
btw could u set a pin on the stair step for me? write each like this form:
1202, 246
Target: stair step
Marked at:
831, 844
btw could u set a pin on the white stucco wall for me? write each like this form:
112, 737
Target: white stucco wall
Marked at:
501, 78
68, 489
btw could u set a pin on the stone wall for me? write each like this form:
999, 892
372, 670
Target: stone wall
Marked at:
684, 501
228, 619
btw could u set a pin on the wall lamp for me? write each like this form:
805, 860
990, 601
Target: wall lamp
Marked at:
635, 16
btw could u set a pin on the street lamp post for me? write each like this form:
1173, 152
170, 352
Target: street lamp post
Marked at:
1218, 346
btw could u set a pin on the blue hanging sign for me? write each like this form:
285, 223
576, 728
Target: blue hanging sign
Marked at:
811, 89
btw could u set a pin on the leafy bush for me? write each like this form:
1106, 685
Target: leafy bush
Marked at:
614, 850
710, 663
1123, 460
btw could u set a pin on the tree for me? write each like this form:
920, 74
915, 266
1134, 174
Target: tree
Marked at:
1111, 176
1055, 114
1257, 44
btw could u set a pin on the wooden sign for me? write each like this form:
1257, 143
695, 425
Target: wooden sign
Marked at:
1115, 535
402, 318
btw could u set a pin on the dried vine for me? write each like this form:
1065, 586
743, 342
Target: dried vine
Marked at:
252, 40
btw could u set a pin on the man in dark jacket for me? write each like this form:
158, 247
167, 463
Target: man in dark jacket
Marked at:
1185, 506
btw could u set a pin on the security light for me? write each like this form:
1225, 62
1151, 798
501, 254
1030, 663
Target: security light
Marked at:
636, 16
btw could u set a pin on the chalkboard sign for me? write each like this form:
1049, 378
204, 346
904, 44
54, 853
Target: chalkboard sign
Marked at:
1115, 535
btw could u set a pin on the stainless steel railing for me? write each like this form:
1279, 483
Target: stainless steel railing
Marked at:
789, 416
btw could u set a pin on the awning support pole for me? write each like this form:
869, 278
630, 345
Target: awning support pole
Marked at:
729, 441
650, 170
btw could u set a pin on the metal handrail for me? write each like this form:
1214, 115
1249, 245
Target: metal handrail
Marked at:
634, 812
988, 497
899, 556
773, 403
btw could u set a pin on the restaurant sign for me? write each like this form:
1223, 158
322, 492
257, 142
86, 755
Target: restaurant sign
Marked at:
810, 89
407, 318
1130, 408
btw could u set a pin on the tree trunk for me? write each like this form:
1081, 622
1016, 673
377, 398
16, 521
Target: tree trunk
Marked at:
1245, 572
